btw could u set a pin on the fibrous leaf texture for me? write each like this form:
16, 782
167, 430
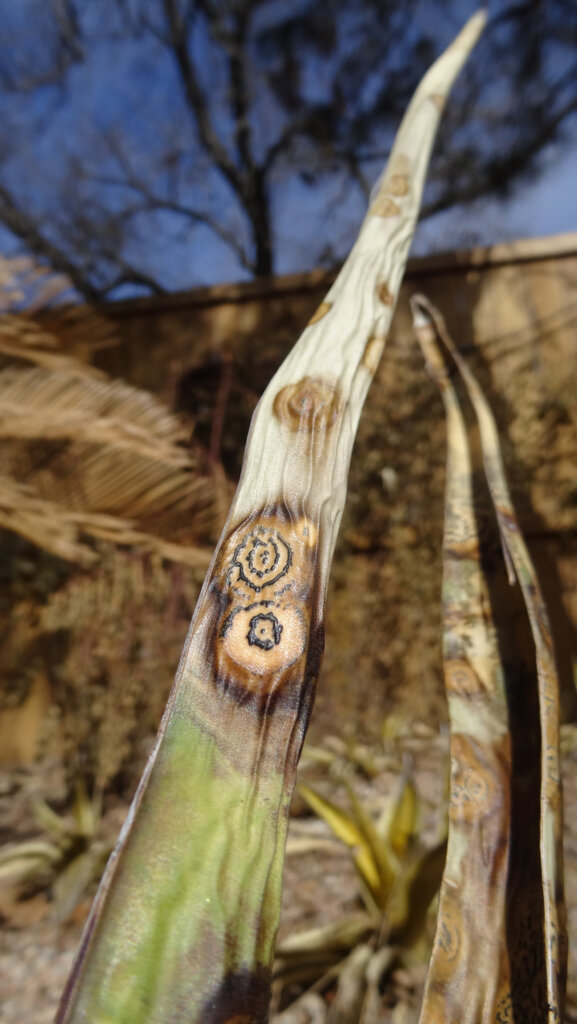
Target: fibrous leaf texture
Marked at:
183, 926
500, 947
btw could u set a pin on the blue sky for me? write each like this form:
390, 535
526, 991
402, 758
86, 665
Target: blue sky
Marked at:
547, 206
140, 81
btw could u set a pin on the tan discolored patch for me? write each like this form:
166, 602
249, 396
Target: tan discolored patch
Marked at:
442, 1006
449, 946
310, 405
306, 531
475, 786
262, 639
384, 206
265, 576
373, 352
385, 295
504, 1005
396, 185
323, 309
439, 100
261, 559
461, 539
461, 680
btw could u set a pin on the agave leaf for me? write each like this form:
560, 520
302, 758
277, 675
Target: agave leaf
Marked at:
414, 890
50, 821
520, 567
496, 860
187, 912
23, 862
86, 812
342, 824
399, 821
345, 827
380, 853
36, 849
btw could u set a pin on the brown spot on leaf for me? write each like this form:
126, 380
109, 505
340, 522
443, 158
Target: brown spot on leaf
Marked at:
385, 295
322, 311
438, 99
373, 352
263, 583
397, 185
261, 640
461, 680
310, 405
383, 206
475, 780
449, 938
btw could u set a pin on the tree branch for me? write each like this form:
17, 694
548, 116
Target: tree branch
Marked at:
25, 227
197, 102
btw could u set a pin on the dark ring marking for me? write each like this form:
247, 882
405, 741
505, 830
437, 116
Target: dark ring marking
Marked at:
262, 558
265, 631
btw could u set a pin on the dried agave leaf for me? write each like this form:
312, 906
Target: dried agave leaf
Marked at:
351, 987
53, 405
379, 966
22, 855
315, 955
49, 526
309, 1009
338, 938
500, 926
72, 882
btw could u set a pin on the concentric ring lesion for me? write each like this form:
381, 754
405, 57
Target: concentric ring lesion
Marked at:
262, 558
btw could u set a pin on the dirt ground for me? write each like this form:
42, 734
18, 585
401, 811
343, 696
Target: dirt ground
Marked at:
37, 949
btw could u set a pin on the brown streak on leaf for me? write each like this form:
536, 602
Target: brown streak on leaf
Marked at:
323, 309
373, 352
385, 295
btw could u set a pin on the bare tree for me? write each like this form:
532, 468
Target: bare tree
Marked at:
136, 133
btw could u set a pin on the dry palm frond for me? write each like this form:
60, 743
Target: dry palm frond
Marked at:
36, 403
83, 454
80, 330
96, 456
55, 529
28, 341
24, 283
34, 329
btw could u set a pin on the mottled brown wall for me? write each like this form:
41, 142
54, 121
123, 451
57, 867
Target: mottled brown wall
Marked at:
513, 311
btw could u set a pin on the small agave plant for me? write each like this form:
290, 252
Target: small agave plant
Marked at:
398, 877
66, 859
